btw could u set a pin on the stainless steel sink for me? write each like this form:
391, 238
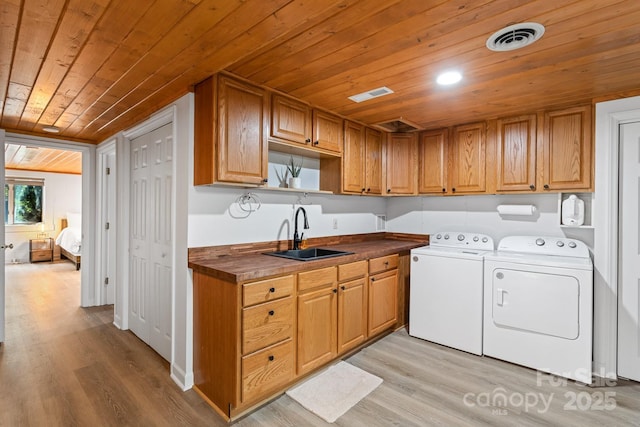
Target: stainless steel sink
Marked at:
308, 254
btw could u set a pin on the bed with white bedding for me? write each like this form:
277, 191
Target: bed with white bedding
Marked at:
70, 238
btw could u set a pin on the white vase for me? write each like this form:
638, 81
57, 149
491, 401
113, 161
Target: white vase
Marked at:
294, 182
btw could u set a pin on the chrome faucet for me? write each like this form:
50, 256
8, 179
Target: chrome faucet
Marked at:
296, 239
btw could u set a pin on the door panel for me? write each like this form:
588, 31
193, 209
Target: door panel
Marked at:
2, 237
151, 244
629, 261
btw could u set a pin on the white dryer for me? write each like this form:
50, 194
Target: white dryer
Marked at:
445, 298
538, 305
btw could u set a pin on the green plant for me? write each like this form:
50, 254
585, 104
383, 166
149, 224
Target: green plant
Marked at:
294, 168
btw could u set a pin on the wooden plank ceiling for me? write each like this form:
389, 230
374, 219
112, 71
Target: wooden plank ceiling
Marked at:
95, 67
22, 157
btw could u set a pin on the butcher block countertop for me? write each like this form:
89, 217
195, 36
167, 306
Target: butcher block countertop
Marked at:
243, 267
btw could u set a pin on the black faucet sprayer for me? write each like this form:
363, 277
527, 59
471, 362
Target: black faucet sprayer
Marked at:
296, 239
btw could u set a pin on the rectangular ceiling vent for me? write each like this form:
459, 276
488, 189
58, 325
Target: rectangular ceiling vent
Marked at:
374, 93
398, 125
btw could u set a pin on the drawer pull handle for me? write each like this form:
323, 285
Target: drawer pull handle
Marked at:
271, 312
272, 290
386, 263
272, 358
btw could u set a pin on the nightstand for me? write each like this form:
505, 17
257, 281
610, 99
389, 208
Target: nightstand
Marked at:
41, 249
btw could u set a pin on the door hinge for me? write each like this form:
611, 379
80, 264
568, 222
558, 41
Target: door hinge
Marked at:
106, 280
108, 171
106, 226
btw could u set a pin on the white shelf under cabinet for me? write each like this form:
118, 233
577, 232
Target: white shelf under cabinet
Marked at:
587, 198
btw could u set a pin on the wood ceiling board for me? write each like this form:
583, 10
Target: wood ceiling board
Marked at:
42, 159
140, 55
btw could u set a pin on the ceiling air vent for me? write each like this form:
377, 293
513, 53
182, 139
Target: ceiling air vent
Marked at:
398, 125
374, 93
515, 36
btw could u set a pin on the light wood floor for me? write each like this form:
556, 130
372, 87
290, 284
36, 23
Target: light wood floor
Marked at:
63, 365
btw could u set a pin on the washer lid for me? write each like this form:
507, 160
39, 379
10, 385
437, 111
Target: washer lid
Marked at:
461, 253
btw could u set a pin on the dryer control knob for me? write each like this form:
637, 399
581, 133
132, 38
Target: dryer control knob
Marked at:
446, 237
485, 240
460, 237
560, 243
476, 238
415, 258
439, 236
572, 245
540, 242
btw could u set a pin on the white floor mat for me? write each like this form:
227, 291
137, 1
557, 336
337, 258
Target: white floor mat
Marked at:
333, 392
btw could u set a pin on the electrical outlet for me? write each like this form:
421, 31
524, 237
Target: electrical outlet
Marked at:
335, 223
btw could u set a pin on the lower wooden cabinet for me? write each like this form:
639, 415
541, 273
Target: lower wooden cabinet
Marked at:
317, 328
254, 339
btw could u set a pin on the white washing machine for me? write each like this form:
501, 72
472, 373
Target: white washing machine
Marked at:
539, 305
445, 299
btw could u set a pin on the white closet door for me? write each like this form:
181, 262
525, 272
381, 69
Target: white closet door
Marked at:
2, 243
150, 239
629, 261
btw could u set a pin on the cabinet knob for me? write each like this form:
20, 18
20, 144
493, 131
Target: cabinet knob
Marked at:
308, 140
363, 190
272, 290
368, 190
272, 358
373, 279
386, 263
271, 312
546, 186
316, 142
453, 190
444, 190
265, 180
343, 288
388, 190
533, 187
335, 291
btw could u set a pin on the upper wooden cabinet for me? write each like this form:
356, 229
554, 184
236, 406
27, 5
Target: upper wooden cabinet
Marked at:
468, 156
401, 154
231, 130
362, 159
433, 158
516, 153
294, 121
567, 149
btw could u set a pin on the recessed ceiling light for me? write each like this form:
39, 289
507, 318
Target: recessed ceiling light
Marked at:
449, 78
51, 129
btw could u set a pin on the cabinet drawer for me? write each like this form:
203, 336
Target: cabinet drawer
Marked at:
40, 255
352, 271
266, 290
383, 263
267, 369
266, 324
324, 277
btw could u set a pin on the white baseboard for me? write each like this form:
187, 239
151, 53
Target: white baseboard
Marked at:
183, 379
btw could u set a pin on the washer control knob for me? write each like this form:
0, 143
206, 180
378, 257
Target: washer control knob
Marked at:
438, 236
540, 241
446, 237
572, 245
476, 238
485, 240
460, 237
560, 243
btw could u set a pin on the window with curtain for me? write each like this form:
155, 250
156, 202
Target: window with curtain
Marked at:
23, 199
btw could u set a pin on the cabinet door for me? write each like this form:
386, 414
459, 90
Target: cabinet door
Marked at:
383, 306
353, 159
317, 328
352, 314
468, 159
401, 163
373, 164
433, 156
290, 119
567, 149
516, 153
243, 123
327, 131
